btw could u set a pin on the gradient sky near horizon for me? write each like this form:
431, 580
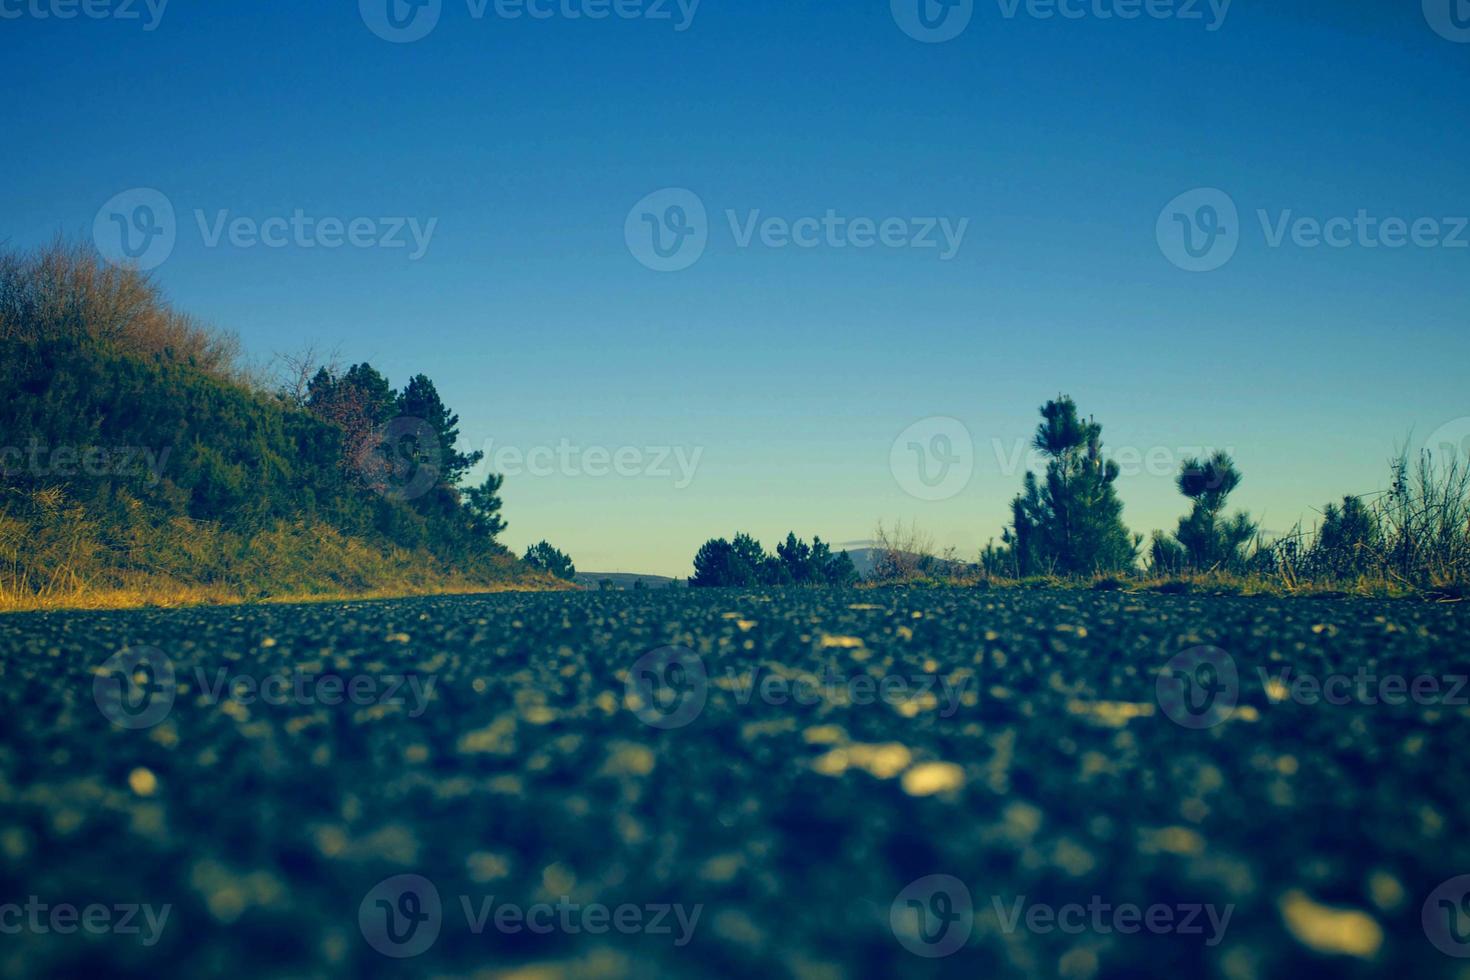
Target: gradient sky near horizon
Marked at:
791, 371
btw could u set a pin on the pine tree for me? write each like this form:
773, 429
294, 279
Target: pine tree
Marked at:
718, 563
483, 505
1072, 524
1027, 514
832, 569
420, 400
796, 555
1204, 540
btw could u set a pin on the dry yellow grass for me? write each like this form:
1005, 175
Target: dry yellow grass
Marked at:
179, 596
64, 558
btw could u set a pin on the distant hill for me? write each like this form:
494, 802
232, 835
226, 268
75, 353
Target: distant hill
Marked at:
626, 580
863, 559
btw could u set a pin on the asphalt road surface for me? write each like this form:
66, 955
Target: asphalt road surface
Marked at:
682, 783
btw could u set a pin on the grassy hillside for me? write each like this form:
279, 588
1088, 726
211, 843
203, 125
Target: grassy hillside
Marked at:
139, 464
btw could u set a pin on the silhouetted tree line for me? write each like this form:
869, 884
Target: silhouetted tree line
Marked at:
743, 562
1070, 522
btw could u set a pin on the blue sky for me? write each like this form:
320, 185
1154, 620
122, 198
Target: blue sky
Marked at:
787, 373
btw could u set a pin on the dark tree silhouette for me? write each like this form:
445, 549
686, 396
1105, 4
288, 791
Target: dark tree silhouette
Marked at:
1072, 522
483, 505
549, 559
1205, 540
744, 563
420, 400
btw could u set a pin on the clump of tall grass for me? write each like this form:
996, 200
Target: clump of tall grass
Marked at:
1415, 534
